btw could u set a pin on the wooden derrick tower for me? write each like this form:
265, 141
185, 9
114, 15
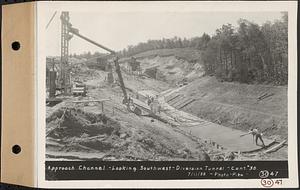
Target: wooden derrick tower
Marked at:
65, 77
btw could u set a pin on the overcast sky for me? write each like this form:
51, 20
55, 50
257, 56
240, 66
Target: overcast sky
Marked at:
118, 30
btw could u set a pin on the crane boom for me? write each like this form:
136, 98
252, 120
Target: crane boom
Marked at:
51, 19
76, 33
118, 71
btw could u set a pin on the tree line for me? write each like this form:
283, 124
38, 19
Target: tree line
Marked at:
87, 55
247, 53
175, 42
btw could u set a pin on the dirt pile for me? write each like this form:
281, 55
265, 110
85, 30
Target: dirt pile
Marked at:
170, 69
72, 122
74, 132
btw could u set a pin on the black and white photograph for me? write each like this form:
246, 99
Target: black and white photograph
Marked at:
183, 92
162, 86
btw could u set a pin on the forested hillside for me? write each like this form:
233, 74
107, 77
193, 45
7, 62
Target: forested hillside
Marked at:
249, 53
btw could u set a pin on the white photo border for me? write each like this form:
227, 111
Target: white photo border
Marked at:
184, 6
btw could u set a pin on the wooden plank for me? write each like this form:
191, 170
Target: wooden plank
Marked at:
180, 101
178, 105
265, 96
84, 101
275, 148
260, 148
260, 97
169, 97
78, 91
187, 103
171, 102
172, 97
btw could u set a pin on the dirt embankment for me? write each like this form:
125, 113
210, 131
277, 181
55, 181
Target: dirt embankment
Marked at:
238, 105
188, 54
82, 134
170, 69
170, 65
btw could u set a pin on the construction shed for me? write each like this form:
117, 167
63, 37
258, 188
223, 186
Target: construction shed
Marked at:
97, 63
102, 63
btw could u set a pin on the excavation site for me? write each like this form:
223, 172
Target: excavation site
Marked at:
215, 97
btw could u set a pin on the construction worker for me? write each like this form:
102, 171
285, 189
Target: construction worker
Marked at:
130, 100
148, 100
151, 106
155, 104
256, 134
130, 103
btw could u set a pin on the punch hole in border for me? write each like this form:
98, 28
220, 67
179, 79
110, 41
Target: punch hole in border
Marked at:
16, 45
16, 149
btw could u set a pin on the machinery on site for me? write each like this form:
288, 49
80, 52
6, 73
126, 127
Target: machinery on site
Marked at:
183, 82
79, 88
65, 83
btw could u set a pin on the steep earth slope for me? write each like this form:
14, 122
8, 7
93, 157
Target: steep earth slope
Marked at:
238, 105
